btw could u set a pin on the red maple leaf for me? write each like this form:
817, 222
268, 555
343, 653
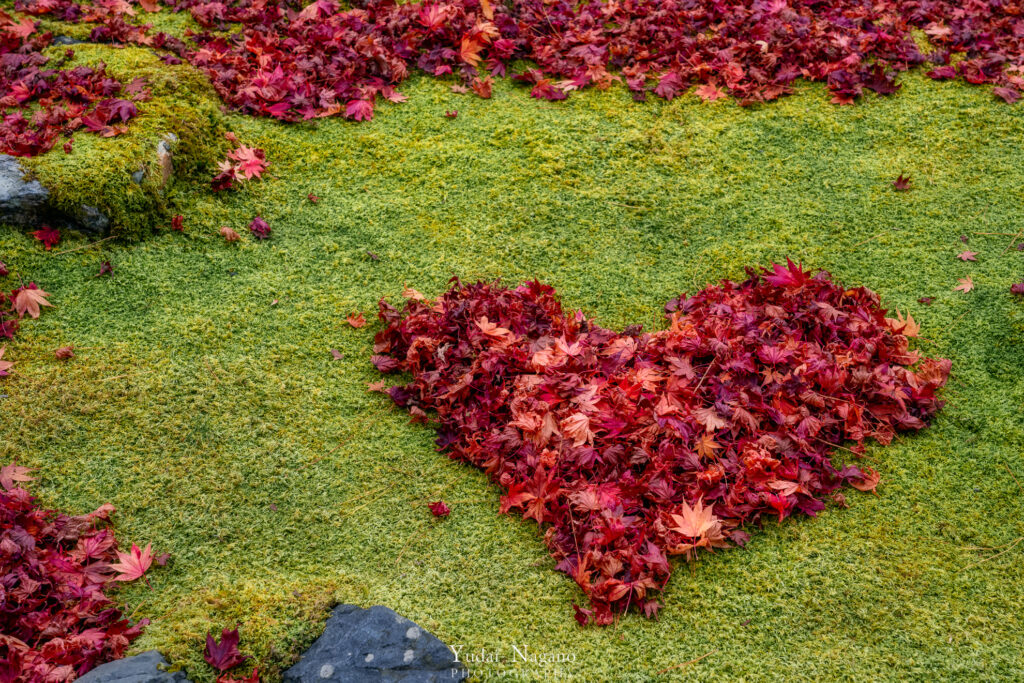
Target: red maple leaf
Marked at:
360, 110
439, 509
223, 655
50, 237
710, 92
251, 162
901, 184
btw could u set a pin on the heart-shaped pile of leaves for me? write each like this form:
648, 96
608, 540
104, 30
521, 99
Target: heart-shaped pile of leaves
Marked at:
630, 447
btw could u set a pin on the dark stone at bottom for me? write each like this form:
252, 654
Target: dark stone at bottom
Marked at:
143, 668
375, 645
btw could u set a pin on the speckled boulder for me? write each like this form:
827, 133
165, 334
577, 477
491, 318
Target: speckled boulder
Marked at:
375, 645
148, 667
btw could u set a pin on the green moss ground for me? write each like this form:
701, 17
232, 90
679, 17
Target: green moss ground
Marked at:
225, 434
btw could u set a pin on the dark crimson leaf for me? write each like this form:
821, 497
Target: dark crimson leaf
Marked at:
223, 655
259, 228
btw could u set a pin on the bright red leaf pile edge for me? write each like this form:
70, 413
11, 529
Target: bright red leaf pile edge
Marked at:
295, 60
56, 622
631, 447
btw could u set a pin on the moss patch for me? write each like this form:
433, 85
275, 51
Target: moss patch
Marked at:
225, 433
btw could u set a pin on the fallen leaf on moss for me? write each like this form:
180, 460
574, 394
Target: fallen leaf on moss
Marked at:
50, 237
28, 299
966, 284
223, 655
133, 564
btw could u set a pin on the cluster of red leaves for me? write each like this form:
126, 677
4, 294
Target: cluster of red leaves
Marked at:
631, 447
297, 60
243, 163
40, 101
56, 622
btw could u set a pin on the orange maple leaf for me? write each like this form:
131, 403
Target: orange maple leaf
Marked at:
709, 92
905, 326
491, 329
696, 521
28, 301
577, 427
966, 284
356, 320
868, 482
5, 365
229, 234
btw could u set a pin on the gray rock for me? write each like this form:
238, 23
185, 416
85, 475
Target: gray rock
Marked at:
91, 219
148, 667
66, 40
22, 202
375, 645
27, 204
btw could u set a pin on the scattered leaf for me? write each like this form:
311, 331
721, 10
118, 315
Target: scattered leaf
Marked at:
356, 320
223, 655
105, 269
28, 299
133, 564
966, 284
259, 228
967, 256
901, 184
12, 475
50, 237
229, 234
65, 353
439, 509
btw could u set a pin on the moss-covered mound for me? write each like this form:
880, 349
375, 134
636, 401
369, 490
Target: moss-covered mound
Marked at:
123, 177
